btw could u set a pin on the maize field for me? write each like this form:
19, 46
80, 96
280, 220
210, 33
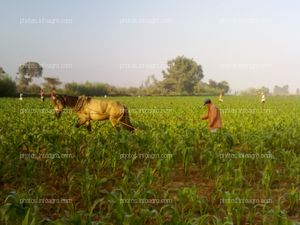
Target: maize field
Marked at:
172, 170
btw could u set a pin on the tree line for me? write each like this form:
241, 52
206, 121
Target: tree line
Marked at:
183, 76
277, 90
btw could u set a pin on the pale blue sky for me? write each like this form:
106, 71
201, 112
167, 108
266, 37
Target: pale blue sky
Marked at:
247, 43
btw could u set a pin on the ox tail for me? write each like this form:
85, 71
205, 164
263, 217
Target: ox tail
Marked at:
125, 121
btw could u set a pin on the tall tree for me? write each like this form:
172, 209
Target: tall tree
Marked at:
51, 82
27, 72
182, 75
223, 86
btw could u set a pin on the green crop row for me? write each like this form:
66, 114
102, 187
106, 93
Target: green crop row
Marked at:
172, 170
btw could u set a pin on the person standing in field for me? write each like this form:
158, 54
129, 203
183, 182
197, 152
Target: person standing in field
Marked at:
221, 97
53, 94
263, 98
42, 93
213, 116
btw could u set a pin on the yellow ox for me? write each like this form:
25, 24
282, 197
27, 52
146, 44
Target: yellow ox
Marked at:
88, 109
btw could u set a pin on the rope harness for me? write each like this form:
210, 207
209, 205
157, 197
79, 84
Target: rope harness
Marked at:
127, 125
80, 103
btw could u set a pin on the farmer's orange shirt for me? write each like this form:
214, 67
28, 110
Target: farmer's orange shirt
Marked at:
213, 116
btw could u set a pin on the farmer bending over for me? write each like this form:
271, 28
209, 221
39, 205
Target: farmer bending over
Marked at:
213, 116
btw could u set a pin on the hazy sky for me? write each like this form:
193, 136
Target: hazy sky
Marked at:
248, 43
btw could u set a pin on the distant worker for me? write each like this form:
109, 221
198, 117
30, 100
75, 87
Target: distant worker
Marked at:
213, 116
53, 94
42, 93
21, 96
221, 97
263, 98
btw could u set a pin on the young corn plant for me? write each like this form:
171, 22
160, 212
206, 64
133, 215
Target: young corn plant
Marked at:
293, 197
14, 210
267, 178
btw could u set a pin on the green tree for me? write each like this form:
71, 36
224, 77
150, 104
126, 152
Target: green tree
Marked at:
223, 86
212, 84
51, 82
281, 90
7, 85
170, 85
90, 89
250, 91
182, 75
151, 87
27, 72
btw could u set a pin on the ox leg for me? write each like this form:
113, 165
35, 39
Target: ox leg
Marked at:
81, 122
83, 119
114, 123
89, 126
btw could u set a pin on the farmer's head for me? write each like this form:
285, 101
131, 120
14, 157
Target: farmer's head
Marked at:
207, 102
